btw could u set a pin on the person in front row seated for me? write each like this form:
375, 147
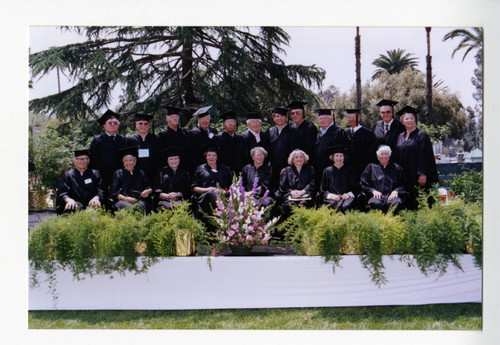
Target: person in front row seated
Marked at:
384, 182
338, 183
171, 185
297, 183
263, 172
207, 177
79, 187
130, 186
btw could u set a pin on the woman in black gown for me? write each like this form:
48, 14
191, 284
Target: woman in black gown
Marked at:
263, 172
130, 186
338, 183
415, 155
297, 183
171, 182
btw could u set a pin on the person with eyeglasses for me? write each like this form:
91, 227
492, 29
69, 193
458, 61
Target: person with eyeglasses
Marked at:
80, 187
148, 145
104, 155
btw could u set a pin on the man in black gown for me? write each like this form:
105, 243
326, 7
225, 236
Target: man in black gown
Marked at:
104, 155
384, 182
253, 136
280, 143
387, 130
361, 143
148, 145
175, 135
230, 143
200, 136
304, 132
79, 187
329, 135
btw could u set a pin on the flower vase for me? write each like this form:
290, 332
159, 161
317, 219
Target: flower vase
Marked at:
184, 242
240, 250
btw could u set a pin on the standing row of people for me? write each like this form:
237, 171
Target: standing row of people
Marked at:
193, 152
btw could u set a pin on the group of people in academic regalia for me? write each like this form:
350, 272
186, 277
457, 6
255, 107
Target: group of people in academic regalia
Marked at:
285, 166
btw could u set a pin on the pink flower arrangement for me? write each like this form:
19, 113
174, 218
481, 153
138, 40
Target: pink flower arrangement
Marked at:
239, 219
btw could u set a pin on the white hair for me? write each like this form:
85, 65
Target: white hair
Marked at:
296, 152
253, 119
382, 148
258, 148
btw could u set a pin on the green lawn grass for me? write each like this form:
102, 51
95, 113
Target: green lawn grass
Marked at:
467, 316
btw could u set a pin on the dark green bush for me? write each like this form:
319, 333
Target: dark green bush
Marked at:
468, 186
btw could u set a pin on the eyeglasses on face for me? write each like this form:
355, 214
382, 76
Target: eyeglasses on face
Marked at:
112, 123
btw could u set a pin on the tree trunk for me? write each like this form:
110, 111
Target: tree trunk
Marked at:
187, 72
358, 68
428, 98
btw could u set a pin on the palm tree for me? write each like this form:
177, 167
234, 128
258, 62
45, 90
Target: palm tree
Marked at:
394, 62
470, 40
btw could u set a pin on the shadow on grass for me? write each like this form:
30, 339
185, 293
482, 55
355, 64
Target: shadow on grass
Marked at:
444, 316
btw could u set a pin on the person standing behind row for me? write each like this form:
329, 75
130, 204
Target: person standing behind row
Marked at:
230, 143
387, 130
329, 135
253, 136
304, 132
200, 136
175, 135
415, 154
280, 142
148, 145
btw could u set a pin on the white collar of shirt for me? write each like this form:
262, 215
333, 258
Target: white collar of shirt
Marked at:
323, 131
355, 128
280, 129
255, 134
110, 135
388, 124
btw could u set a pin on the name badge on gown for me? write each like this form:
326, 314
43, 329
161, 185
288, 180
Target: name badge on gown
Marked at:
143, 153
210, 135
87, 181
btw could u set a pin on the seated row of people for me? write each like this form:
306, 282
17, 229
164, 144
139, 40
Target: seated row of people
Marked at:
383, 182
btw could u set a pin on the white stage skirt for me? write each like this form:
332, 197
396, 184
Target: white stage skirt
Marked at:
259, 282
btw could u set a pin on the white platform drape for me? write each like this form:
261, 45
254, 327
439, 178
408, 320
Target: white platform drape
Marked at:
259, 282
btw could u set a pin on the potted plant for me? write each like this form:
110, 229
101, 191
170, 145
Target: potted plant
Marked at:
240, 222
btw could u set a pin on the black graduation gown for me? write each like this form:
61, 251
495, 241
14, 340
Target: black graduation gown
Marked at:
197, 138
290, 179
168, 181
231, 151
385, 180
179, 139
338, 181
280, 146
304, 136
79, 187
249, 141
127, 184
321, 155
204, 176
264, 172
392, 135
104, 155
416, 156
150, 150
361, 149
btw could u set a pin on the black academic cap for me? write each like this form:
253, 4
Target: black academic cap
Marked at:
142, 117
229, 115
172, 151
387, 102
173, 110
297, 105
131, 150
280, 110
83, 152
352, 111
201, 112
252, 115
210, 147
408, 110
336, 149
324, 112
109, 114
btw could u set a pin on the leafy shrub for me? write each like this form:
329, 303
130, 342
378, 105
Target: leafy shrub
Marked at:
469, 186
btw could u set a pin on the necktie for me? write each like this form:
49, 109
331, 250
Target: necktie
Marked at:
386, 128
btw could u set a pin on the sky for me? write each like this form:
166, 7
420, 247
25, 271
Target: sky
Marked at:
331, 48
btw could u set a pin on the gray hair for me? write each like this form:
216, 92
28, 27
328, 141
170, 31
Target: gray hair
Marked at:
382, 148
258, 148
252, 119
296, 152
